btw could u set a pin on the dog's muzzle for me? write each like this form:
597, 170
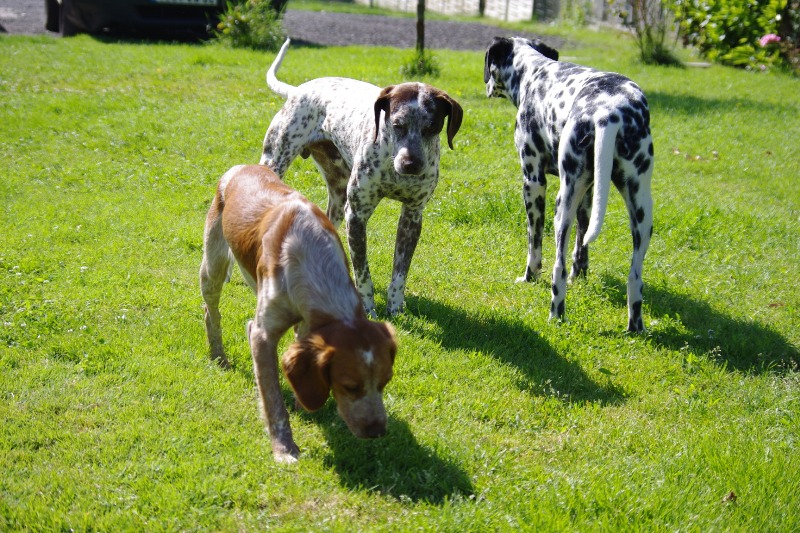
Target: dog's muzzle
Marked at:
408, 165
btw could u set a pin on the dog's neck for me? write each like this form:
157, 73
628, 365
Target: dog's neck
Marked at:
526, 66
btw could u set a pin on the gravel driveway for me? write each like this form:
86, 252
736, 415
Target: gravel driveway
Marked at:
320, 28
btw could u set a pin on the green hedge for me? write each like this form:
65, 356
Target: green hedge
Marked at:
732, 31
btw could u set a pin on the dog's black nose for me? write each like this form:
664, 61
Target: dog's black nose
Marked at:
375, 430
410, 167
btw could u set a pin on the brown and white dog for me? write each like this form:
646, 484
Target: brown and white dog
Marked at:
291, 256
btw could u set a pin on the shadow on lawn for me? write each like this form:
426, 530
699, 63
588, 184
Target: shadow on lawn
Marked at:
396, 464
513, 342
742, 345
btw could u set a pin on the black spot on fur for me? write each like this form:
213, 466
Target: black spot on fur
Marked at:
644, 166
570, 164
538, 141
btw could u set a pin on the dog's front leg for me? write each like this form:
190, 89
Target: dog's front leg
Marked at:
264, 349
357, 214
408, 231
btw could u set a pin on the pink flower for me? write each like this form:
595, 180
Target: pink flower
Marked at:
769, 39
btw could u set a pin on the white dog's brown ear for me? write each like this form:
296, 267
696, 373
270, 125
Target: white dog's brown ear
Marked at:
382, 104
453, 120
306, 364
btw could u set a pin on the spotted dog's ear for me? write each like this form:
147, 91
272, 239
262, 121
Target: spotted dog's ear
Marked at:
454, 115
546, 51
382, 104
306, 365
497, 53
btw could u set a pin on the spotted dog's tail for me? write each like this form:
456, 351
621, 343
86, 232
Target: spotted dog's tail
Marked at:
605, 138
278, 87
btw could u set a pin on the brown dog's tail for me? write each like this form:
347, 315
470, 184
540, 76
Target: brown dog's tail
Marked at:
278, 87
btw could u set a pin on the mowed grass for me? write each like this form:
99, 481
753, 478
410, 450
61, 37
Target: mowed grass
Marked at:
113, 418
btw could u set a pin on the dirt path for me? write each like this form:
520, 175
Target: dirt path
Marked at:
321, 28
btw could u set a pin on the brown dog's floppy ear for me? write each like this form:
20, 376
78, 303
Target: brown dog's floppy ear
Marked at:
305, 364
453, 111
388, 330
382, 104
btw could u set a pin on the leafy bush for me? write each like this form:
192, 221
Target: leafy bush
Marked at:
421, 64
730, 31
251, 24
651, 24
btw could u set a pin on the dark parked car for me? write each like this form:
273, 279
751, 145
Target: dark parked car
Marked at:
174, 18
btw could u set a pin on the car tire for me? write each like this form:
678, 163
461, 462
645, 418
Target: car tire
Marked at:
66, 26
52, 12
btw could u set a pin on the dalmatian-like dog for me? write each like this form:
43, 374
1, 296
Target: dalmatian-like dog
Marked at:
592, 129
369, 143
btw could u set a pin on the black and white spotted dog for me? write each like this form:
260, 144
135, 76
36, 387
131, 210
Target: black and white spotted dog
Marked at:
590, 128
369, 143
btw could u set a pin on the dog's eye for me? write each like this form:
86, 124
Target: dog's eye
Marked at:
352, 389
400, 128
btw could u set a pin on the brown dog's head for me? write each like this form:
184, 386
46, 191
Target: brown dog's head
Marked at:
414, 115
354, 361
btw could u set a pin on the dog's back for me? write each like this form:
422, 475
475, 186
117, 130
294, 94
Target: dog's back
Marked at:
276, 234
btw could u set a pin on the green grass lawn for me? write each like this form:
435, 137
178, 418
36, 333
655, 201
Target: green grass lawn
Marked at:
113, 418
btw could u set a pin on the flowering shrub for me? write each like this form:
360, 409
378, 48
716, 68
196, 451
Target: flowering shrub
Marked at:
251, 24
743, 33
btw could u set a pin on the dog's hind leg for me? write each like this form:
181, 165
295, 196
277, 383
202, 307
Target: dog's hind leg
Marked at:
288, 134
574, 184
580, 255
336, 173
638, 199
214, 272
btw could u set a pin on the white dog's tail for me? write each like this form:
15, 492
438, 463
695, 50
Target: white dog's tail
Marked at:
278, 87
604, 140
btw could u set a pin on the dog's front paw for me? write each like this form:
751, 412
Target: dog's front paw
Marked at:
221, 361
395, 310
285, 453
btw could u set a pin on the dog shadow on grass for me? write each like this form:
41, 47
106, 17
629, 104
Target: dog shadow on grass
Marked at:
395, 464
687, 322
546, 371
